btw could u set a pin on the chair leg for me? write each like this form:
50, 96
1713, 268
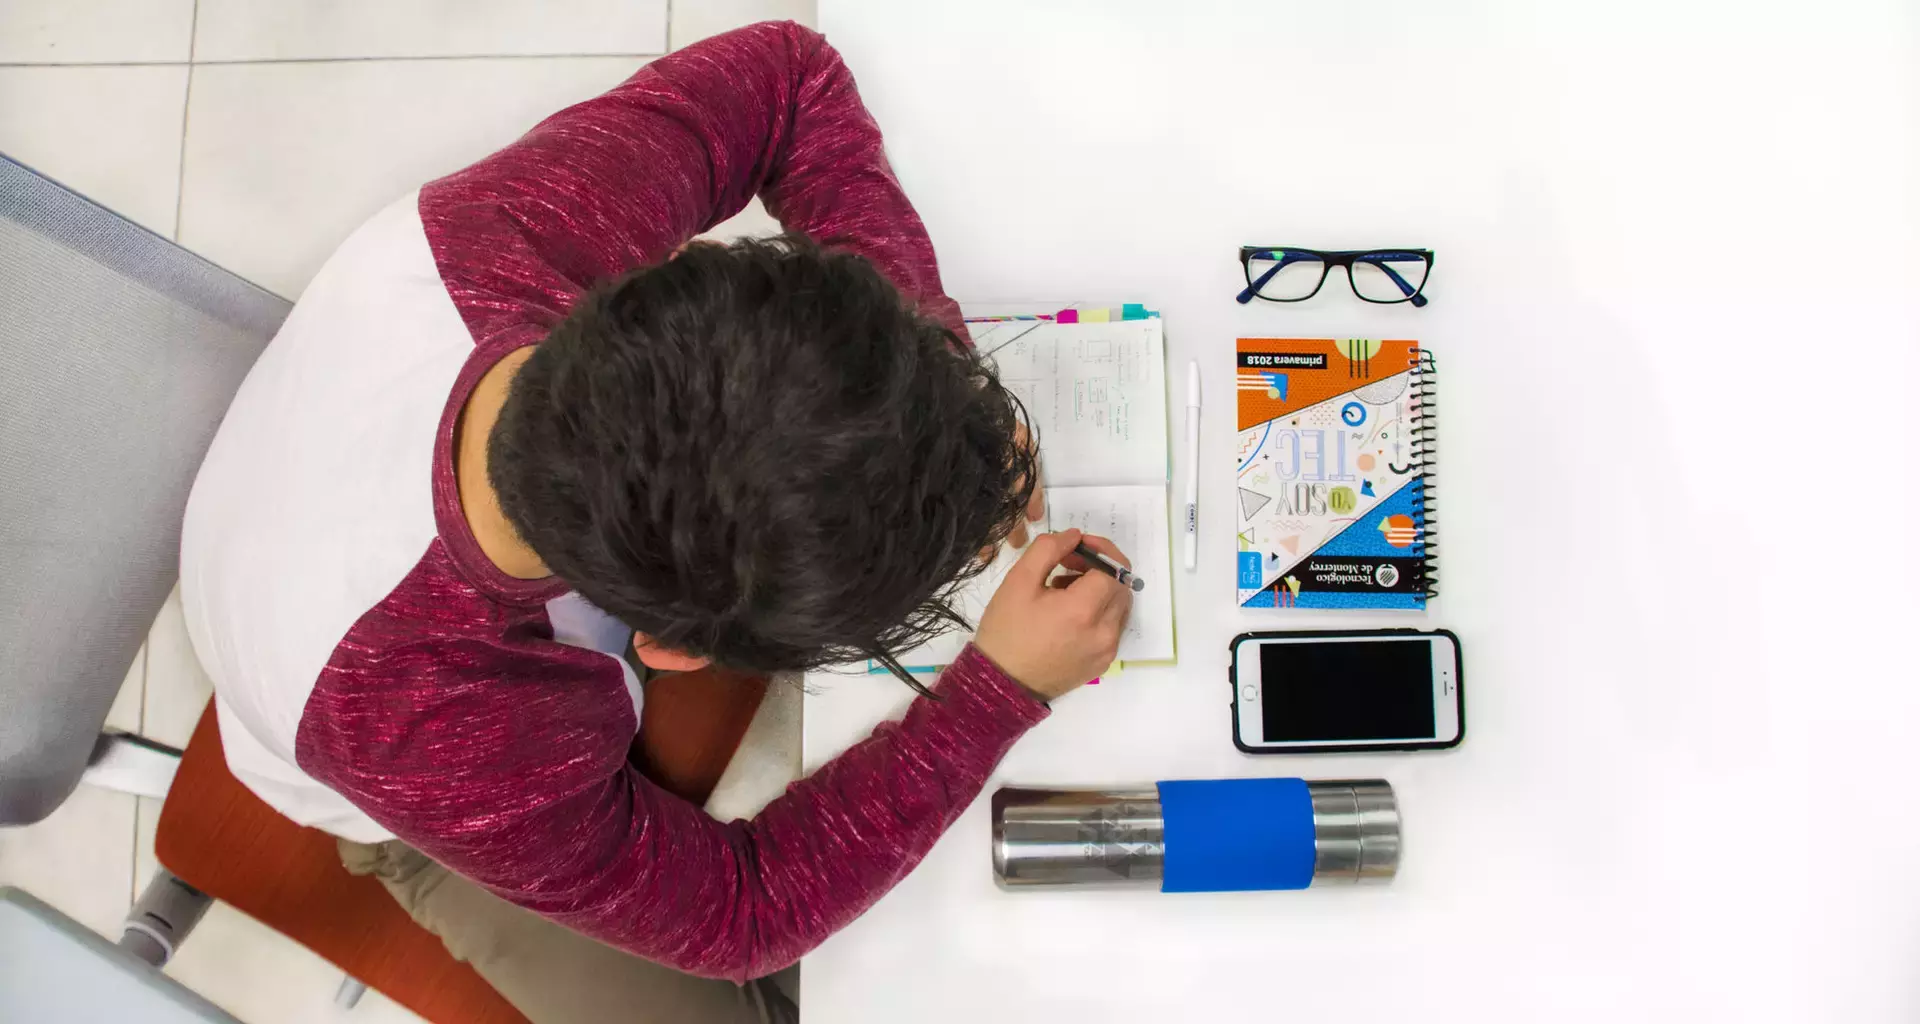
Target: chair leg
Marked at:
347, 996
162, 917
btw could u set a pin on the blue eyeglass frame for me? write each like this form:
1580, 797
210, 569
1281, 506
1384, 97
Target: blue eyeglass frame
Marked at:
1285, 255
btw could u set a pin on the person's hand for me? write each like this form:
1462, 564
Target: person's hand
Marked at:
1052, 638
1036, 505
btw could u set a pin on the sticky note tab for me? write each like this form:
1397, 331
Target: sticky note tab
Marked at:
1094, 316
1133, 311
1067, 316
1249, 570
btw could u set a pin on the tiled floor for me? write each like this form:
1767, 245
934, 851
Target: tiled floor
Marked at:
260, 134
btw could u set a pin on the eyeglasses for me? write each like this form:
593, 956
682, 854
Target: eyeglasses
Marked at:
1287, 274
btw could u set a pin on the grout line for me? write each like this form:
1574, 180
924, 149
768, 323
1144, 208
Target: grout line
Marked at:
320, 60
427, 57
180, 172
133, 862
92, 63
140, 721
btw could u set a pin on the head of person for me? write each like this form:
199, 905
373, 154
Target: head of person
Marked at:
759, 455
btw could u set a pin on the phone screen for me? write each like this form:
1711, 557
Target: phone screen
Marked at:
1346, 691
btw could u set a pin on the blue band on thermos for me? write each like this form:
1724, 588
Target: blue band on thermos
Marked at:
1234, 835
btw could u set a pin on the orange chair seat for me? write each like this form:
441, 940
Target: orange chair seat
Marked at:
221, 839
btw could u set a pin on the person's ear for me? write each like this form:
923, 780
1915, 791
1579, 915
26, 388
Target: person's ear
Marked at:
665, 659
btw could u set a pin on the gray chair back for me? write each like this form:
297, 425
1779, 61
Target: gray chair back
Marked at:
119, 353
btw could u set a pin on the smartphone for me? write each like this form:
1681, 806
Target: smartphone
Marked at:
1346, 690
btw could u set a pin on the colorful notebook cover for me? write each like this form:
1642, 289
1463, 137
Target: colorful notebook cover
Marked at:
1334, 462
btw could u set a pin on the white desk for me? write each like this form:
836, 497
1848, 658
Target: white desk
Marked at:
1673, 303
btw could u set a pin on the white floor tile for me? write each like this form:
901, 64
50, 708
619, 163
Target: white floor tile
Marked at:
694, 20
284, 160
263, 977
146, 824
251, 30
128, 704
177, 687
111, 134
94, 31
80, 859
378, 1009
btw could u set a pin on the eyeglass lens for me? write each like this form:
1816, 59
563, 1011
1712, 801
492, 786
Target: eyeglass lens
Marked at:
1388, 276
1284, 275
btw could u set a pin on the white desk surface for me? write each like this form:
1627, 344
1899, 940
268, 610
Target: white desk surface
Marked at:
1678, 258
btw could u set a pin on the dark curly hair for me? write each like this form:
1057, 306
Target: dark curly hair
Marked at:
760, 454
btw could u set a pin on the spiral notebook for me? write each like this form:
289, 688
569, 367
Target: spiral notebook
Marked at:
1334, 466
1094, 386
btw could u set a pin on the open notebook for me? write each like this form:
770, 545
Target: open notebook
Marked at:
1096, 397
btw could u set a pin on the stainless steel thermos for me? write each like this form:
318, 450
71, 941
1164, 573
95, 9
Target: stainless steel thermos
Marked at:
1203, 835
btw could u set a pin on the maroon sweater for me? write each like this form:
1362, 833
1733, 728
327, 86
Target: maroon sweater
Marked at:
449, 714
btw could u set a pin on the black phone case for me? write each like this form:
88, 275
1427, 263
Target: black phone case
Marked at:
1233, 688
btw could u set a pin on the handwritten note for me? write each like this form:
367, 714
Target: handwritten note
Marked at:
1095, 395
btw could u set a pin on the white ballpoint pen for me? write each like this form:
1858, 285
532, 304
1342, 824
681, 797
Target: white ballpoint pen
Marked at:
1193, 465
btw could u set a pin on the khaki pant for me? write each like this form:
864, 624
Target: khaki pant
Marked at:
549, 972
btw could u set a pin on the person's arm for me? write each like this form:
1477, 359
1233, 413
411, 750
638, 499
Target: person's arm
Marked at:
622, 179
506, 762
534, 799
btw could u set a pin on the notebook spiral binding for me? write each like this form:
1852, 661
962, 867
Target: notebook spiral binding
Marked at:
1424, 438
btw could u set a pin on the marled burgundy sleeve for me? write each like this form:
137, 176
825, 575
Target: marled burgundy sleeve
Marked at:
524, 788
622, 179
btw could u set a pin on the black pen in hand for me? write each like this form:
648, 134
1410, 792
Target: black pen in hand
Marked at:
1112, 568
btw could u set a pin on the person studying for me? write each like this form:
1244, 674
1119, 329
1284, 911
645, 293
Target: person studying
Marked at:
521, 445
